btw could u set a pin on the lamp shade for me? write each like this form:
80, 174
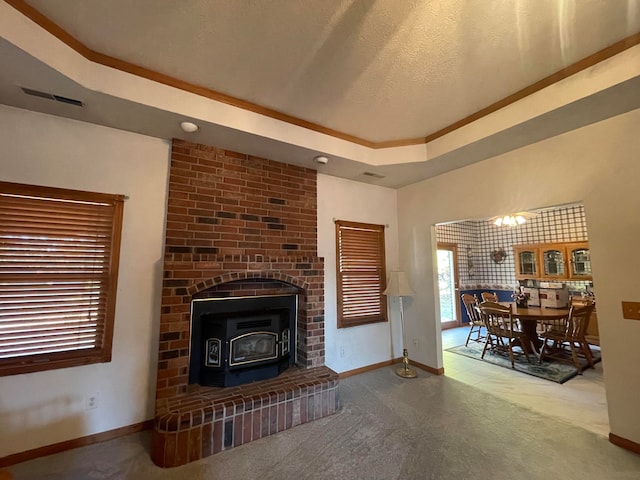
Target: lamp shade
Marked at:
398, 285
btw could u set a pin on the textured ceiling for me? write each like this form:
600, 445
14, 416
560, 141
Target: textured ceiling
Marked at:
391, 91
379, 70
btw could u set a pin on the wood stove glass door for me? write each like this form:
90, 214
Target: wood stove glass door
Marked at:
253, 347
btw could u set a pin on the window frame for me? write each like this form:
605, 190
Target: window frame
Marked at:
376, 232
109, 208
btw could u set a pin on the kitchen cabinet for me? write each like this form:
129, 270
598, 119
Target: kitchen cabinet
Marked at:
579, 261
592, 334
527, 262
553, 261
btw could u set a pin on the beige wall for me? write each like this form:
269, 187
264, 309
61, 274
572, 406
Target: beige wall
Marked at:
596, 165
340, 199
39, 409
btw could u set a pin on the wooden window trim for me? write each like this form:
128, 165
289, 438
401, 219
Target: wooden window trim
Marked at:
377, 231
110, 211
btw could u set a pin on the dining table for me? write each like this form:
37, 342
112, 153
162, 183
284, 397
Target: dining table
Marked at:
529, 318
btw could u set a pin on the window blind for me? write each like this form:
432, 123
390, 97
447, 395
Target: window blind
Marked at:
58, 272
361, 273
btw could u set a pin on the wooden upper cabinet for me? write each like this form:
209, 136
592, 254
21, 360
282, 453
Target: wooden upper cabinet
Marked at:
527, 261
579, 261
553, 261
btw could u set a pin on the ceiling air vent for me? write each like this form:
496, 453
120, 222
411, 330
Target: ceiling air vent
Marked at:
50, 96
374, 175
70, 101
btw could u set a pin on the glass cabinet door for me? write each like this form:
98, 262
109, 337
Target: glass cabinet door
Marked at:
579, 260
526, 262
553, 263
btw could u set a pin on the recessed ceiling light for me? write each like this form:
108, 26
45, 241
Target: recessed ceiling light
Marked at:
189, 127
321, 159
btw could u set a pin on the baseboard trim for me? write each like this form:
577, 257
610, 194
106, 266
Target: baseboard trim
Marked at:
387, 363
368, 368
427, 368
75, 443
624, 443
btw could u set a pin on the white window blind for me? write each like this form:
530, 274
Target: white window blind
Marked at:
361, 273
58, 271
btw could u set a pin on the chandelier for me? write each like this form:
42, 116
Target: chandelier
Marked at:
509, 220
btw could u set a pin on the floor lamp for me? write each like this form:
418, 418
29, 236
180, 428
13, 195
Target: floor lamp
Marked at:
398, 286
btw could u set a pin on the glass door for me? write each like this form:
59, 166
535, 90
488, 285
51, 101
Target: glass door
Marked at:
448, 285
526, 258
579, 261
553, 263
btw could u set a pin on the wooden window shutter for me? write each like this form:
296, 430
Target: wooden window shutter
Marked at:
361, 274
59, 253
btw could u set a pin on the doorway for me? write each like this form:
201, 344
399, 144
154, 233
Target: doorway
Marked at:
476, 240
448, 285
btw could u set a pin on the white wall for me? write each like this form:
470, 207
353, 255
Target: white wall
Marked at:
43, 408
340, 199
596, 165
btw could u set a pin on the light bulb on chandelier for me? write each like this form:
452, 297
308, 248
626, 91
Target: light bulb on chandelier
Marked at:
509, 220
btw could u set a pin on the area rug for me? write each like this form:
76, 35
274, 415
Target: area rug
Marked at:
554, 371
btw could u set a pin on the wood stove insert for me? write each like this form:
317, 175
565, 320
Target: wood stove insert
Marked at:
239, 340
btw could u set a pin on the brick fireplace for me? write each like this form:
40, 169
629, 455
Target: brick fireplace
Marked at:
237, 226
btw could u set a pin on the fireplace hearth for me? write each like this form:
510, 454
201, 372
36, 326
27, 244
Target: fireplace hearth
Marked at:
241, 340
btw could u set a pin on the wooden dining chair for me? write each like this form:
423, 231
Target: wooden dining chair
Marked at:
580, 301
568, 333
592, 334
476, 323
502, 330
489, 297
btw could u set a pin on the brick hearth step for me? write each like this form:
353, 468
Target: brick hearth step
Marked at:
208, 420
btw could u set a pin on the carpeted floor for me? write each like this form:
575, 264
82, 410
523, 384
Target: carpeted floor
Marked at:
389, 428
554, 371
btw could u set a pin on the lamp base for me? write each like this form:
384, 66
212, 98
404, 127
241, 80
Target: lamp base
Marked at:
405, 371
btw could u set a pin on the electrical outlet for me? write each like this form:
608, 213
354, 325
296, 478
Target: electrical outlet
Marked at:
416, 343
91, 401
342, 352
